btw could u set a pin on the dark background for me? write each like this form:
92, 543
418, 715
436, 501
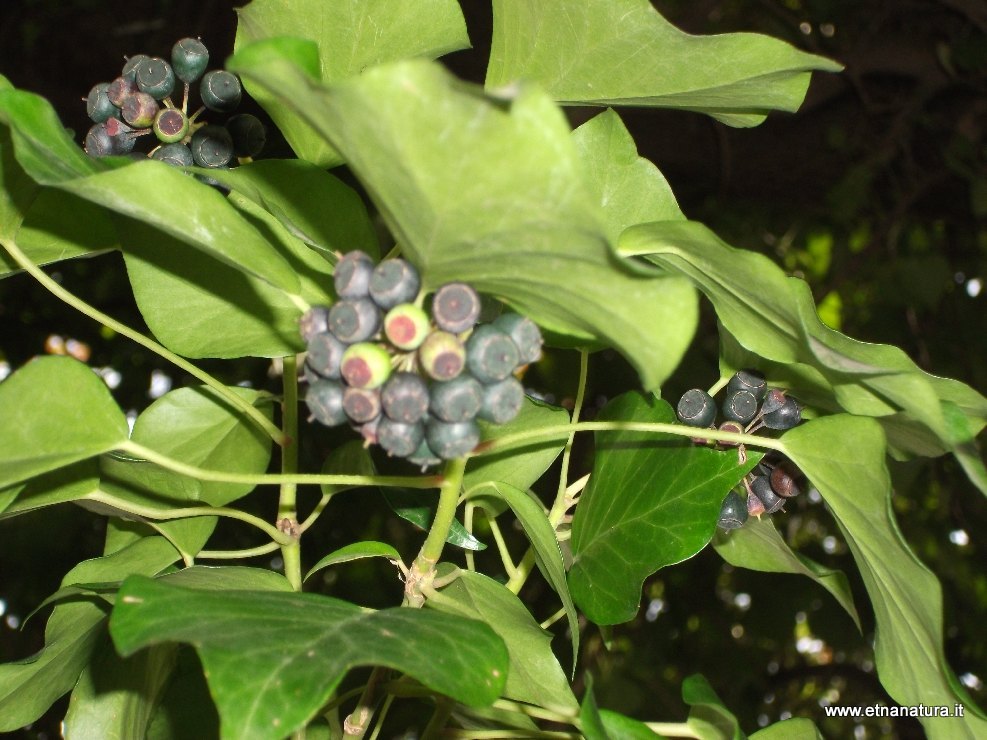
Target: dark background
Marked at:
875, 192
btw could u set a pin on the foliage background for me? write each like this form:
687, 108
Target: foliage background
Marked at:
875, 192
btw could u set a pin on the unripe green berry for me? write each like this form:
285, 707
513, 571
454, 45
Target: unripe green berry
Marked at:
189, 59
177, 155
455, 400
733, 512
171, 125
525, 334
98, 104
155, 77
354, 319
442, 356
324, 399
212, 147
220, 91
365, 365
406, 326
696, 408
490, 354
502, 400
450, 441
455, 307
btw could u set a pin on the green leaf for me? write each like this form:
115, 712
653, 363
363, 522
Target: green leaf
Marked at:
28, 687
708, 717
796, 728
149, 191
446, 197
58, 226
200, 307
758, 546
418, 507
779, 323
355, 551
186, 710
313, 205
70, 483
519, 467
17, 190
352, 35
115, 697
228, 578
272, 659
541, 534
619, 727
629, 188
843, 457
590, 721
622, 52
200, 428
57, 411
653, 500
534, 675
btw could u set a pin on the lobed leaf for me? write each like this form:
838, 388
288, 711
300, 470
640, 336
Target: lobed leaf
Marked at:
273, 659
623, 52
653, 500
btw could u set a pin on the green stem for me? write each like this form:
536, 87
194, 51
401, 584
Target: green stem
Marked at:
679, 430
140, 453
316, 513
505, 555
495, 734
287, 499
251, 411
250, 552
443, 708
673, 729
445, 513
187, 512
532, 711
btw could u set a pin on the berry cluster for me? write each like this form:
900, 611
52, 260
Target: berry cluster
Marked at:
748, 406
413, 383
138, 103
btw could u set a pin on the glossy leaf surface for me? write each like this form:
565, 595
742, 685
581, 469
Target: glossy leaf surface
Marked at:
623, 52
843, 457
708, 718
758, 546
653, 500
73, 419
405, 128
273, 659
351, 35
355, 551
535, 676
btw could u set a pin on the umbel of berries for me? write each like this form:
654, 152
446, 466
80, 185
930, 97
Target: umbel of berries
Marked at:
140, 102
414, 381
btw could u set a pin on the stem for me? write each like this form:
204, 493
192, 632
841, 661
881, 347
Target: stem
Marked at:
145, 454
532, 711
316, 513
673, 729
468, 511
187, 512
679, 430
494, 734
505, 554
443, 708
250, 552
287, 500
251, 411
355, 725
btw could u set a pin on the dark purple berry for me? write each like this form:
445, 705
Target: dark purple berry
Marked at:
502, 401
696, 408
733, 512
212, 146
740, 406
220, 91
314, 321
761, 486
248, 134
393, 282
455, 307
405, 397
98, 105
490, 354
399, 439
361, 404
786, 416
524, 332
177, 155
455, 400
354, 320
189, 59
450, 441
748, 380
324, 399
351, 277
325, 355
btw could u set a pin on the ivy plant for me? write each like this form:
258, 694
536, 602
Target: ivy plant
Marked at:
487, 186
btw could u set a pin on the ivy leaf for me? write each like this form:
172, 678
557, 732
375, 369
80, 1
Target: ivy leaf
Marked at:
708, 717
78, 418
758, 546
355, 551
351, 35
491, 192
541, 534
534, 675
69, 483
622, 52
419, 507
779, 324
30, 686
653, 500
267, 682
796, 728
843, 457
198, 427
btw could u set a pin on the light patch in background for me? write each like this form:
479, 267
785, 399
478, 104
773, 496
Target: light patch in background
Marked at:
974, 286
4, 369
959, 537
160, 384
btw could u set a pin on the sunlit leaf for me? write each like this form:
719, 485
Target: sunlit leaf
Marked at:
351, 35
708, 718
652, 501
622, 52
272, 659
